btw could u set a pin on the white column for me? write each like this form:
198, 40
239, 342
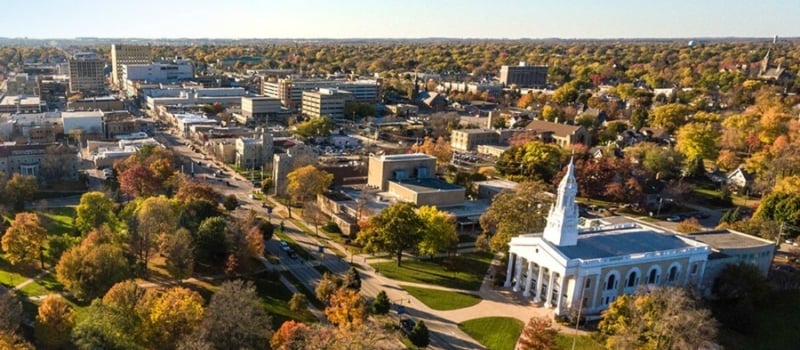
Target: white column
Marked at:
550, 283
510, 269
527, 292
518, 274
537, 295
560, 294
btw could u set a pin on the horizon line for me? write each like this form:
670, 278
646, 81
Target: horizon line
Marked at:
403, 38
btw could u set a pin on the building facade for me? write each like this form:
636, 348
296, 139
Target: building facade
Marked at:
290, 91
260, 109
326, 102
254, 152
163, 72
86, 74
524, 75
46, 161
295, 157
127, 54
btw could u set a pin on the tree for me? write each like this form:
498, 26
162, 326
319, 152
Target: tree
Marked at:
689, 225
346, 309
307, 182
230, 202
780, 207
25, 239
94, 210
298, 303
312, 213
538, 334
54, 322
291, 336
195, 211
138, 180
698, 140
179, 254
156, 219
10, 311
514, 213
661, 162
106, 327
419, 335
328, 285
352, 279
10, 340
248, 327
20, 189
315, 127
393, 230
658, 318
57, 162
439, 149
190, 190
439, 231
381, 304
211, 245
533, 161
255, 242
172, 315
669, 116
88, 271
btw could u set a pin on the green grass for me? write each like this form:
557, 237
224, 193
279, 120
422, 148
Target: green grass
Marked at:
466, 271
312, 297
442, 300
43, 286
582, 342
774, 324
495, 333
59, 220
275, 298
12, 275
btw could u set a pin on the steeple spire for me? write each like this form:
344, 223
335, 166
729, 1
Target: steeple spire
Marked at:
562, 222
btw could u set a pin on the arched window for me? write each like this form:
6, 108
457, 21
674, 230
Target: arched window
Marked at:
673, 273
632, 280
612, 281
651, 278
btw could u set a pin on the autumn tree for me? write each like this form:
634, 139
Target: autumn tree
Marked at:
175, 313
328, 285
439, 231
189, 190
538, 334
698, 140
54, 322
381, 304
346, 309
298, 303
307, 182
669, 116
533, 161
513, 213
10, 311
439, 149
88, 271
156, 219
315, 127
291, 336
19, 190
179, 253
137, 181
11, 340
248, 327
660, 161
658, 318
25, 239
94, 210
689, 225
393, 230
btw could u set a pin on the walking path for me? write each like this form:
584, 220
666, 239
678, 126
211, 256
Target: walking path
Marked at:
31, 280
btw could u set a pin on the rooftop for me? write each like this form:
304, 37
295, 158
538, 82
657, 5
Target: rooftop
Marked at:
403, 157
555, 128
82, 114
728, 239
427, 185
23, 100
622, 240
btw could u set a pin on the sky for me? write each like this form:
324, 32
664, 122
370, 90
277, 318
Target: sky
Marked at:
509, 19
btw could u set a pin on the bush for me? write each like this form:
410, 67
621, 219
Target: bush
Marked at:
231, 202
419, 335
331, 227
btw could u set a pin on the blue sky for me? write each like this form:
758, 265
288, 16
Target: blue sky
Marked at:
400, 19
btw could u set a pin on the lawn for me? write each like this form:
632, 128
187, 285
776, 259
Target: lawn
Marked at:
12, 275
495, 333
43, 286
774, 325
275, 297
462, 272
582, 342
59, 221
442, 300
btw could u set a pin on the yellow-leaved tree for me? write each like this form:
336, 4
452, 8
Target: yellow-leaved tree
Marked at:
346, 309
54, 322
25, 239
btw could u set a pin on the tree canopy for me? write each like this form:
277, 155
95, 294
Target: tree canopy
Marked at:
393, 230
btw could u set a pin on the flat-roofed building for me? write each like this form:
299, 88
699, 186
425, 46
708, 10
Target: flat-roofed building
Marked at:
260, 108
524, 75
103, 103
326, 102
127, 54
86, 74
254, 152
398, 166
21, 104
168, 72
290, 91
87, 121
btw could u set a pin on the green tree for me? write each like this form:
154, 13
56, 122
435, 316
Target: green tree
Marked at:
20, 189
25, 239
439, 231
780, 207
179, 253
669, 116
514, 213
230, 202
533, 161
381, 304
660, 161
328, 285
419, 335
211, 244
106, 327
698, 140
94, 210
249, 327
307, 182
393, 230
660, 318
54, 322
156, 219
88, 271
315, 127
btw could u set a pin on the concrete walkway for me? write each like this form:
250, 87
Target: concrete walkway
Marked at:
32, 279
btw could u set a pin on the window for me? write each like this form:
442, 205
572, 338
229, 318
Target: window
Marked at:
632, 279
611, 283
673, 273
652, 278
588, 283
694, 269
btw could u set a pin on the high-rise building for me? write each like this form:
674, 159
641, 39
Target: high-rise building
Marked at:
127, 54
86, 73
524, 75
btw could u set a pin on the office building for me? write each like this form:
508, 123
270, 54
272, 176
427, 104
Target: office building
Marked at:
260, 109
127, 54
86, 74
325, 102
163, 72
290, 91
524, 75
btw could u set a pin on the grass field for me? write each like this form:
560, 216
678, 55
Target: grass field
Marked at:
442, 300
495, 333
275, 297
59, 221
582, 342
465, 272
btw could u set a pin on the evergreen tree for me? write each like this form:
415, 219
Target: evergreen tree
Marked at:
419, 335
381, 304
352, 279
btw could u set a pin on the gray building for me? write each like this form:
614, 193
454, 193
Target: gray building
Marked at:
86, 74
524, 75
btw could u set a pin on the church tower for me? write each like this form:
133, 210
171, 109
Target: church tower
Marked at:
562, 222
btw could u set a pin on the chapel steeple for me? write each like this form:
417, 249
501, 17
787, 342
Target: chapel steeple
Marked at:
562, 222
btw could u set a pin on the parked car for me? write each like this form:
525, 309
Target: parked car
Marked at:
675, 218
285, 246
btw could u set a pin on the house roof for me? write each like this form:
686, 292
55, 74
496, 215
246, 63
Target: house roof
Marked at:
747, 176
555, 128
621, 242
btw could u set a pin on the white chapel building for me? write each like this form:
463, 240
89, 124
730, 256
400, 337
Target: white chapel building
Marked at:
566, 266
